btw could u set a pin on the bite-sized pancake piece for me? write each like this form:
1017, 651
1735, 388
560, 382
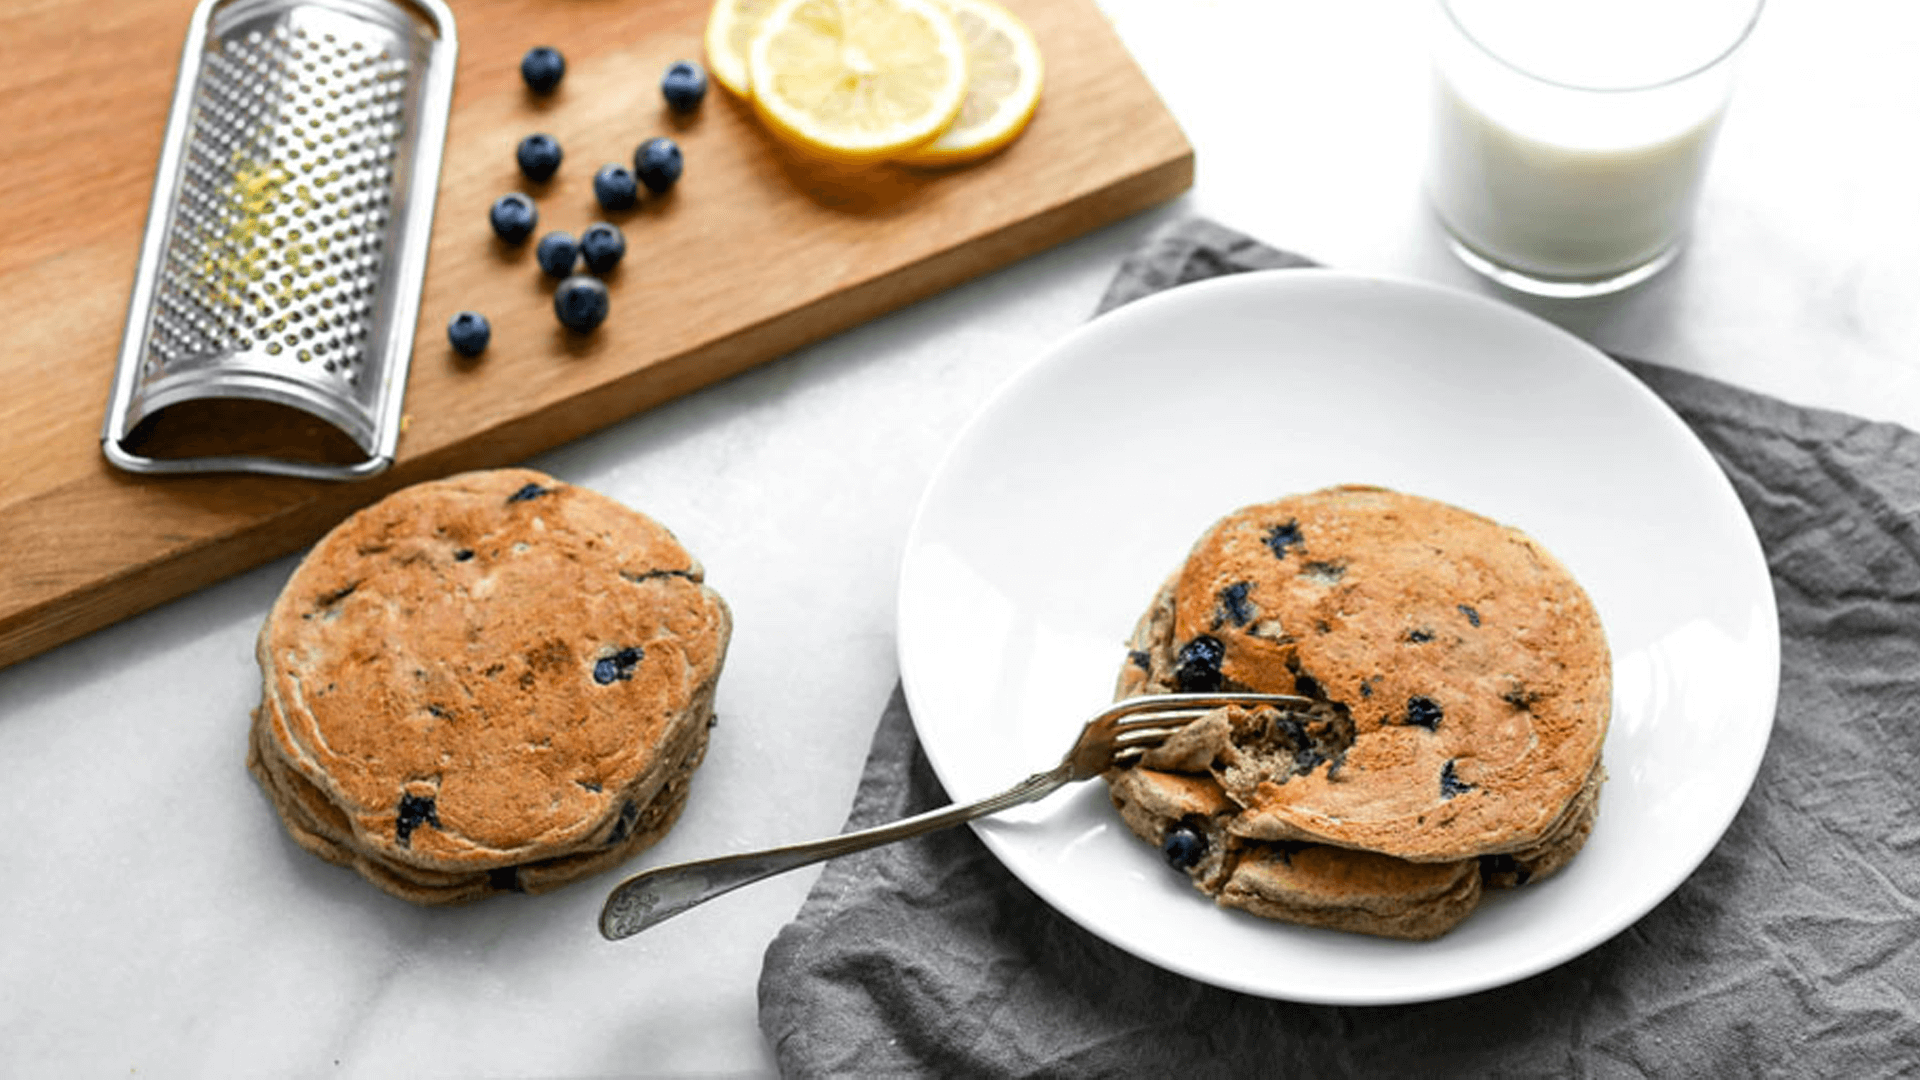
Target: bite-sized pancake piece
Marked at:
1178, 797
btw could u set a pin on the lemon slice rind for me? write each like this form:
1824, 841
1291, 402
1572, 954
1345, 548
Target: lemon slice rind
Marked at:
730, 29
1004, 78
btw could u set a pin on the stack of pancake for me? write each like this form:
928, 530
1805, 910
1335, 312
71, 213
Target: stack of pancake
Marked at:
1462, 689
492, 682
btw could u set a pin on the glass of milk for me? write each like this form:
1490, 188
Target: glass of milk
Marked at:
1570, 137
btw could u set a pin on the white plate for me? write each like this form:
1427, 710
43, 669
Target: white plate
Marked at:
1063, 505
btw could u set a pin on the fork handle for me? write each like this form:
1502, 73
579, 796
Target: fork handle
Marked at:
656, 895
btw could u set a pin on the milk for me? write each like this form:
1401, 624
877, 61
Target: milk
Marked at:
1570, 140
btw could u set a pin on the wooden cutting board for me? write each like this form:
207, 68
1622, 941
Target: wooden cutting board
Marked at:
750, 257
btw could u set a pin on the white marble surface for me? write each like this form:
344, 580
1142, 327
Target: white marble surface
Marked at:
157, 919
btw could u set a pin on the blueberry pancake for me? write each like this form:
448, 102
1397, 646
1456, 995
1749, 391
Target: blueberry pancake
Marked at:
1471, 667
1464, 690
493, 681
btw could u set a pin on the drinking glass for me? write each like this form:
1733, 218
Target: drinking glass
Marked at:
1570, 138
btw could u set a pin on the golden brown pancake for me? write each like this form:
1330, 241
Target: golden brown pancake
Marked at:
492, 681
1463, 690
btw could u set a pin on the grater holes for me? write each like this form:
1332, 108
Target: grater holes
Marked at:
308, 271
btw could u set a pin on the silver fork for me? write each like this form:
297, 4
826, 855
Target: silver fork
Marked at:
1117, 735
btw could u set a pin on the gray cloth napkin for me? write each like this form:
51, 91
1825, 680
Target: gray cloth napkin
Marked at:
1793, 951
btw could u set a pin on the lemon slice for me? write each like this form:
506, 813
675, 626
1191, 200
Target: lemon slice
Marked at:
1003, 85
730, 29
856, 81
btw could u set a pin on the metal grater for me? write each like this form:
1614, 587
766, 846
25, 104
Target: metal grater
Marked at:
286, 243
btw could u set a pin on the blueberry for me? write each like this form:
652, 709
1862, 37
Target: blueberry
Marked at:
1184, 847
414, 811
623, 825
614, 186
1234, 606
1283, 536
1287, 732
1141, 659
1423, 712
556, 253
602, 245
513, 217
619, 666
542, 67
538, 155
581, 303
463, 555
684, 85
1473, 617
469, 333
526, 493
1197, 667
1450, 782
658, 164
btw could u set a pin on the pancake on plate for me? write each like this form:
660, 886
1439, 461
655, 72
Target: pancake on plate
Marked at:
1464, 689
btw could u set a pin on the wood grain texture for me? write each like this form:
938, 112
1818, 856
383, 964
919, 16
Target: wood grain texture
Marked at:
752, 256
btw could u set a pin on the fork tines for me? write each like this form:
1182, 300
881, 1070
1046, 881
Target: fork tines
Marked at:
1193, 706
1164, 714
